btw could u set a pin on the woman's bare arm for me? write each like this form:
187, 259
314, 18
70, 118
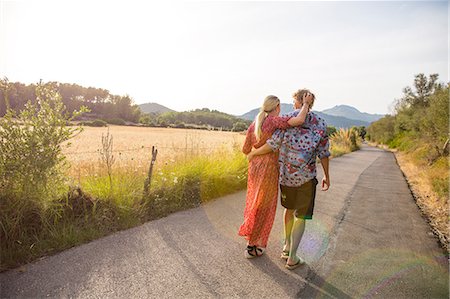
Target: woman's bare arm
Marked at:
265, 149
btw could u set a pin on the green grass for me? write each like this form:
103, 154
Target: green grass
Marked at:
99, 209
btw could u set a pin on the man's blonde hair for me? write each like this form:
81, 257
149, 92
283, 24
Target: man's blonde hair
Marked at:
298, 96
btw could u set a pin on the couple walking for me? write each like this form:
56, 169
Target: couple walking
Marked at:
282, 152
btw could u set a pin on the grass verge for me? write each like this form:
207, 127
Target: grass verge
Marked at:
96, 208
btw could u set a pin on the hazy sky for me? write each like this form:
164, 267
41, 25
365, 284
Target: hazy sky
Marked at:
228, 55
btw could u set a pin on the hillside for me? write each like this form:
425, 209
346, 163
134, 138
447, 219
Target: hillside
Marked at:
352, 113
198, 118
335, 121
154, 108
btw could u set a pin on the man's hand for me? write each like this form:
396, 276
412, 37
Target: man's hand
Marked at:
307, 99
325, 184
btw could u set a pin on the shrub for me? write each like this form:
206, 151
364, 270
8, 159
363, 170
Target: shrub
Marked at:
98, 123
116, 121
346, 140
94, 123
239, 126
32, 166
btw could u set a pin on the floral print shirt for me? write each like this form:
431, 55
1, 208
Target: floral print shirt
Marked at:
299, 147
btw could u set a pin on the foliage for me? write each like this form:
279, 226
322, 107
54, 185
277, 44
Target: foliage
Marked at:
361, 132
420, 97
94, 123
203, 117
331, 130
99, 101
344, 141
188, 183
422, 113
31, 163
107, 156
115, 121
420, 130
382, 130
239, 126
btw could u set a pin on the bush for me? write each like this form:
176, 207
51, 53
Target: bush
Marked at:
116, 121
32, 166
382, 131
99, 123
239, 126
344, 140
94, 123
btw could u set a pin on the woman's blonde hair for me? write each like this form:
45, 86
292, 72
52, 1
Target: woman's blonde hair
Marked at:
270, 104
298, 96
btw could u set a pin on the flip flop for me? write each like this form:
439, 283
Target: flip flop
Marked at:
296, 265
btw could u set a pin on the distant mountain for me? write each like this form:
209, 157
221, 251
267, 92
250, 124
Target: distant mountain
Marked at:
154, 108
335, 121
352, 113
341, 122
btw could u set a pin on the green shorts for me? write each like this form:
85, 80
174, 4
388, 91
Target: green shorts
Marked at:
301, 199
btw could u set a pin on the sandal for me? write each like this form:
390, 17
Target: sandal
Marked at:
296, 265
259, 251
285, 255
253, 251
250, 252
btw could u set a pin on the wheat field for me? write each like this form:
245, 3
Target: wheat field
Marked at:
132, 145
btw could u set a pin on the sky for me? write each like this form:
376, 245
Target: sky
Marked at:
229, 55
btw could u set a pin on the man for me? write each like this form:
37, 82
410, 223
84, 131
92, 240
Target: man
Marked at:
299, 147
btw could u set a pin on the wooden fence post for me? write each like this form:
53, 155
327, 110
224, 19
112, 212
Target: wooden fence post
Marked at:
150, 170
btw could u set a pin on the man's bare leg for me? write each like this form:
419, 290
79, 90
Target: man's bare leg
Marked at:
298, 229
288, 222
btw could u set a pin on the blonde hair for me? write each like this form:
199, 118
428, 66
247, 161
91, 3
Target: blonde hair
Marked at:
270, 104
298, 96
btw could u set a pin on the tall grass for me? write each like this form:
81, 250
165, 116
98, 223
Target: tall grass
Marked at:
344, 141
92, 209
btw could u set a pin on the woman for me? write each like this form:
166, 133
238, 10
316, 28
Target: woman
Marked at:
263, 171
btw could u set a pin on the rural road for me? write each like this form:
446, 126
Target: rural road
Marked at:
367, 240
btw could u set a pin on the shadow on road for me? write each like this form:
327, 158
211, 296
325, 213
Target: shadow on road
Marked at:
302, 282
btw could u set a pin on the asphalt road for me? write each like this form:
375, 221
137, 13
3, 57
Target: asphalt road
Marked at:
367, 240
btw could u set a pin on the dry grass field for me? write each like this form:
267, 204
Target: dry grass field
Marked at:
132, 145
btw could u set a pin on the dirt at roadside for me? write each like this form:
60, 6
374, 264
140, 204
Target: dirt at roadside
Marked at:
434, 208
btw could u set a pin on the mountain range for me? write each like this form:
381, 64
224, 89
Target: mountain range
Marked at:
154, 108
352, 113
341, 116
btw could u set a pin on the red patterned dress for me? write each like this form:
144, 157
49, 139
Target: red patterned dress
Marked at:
262, 184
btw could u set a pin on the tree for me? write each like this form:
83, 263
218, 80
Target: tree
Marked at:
361, 131
382, 130
31, 161
239, 126
419, 97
